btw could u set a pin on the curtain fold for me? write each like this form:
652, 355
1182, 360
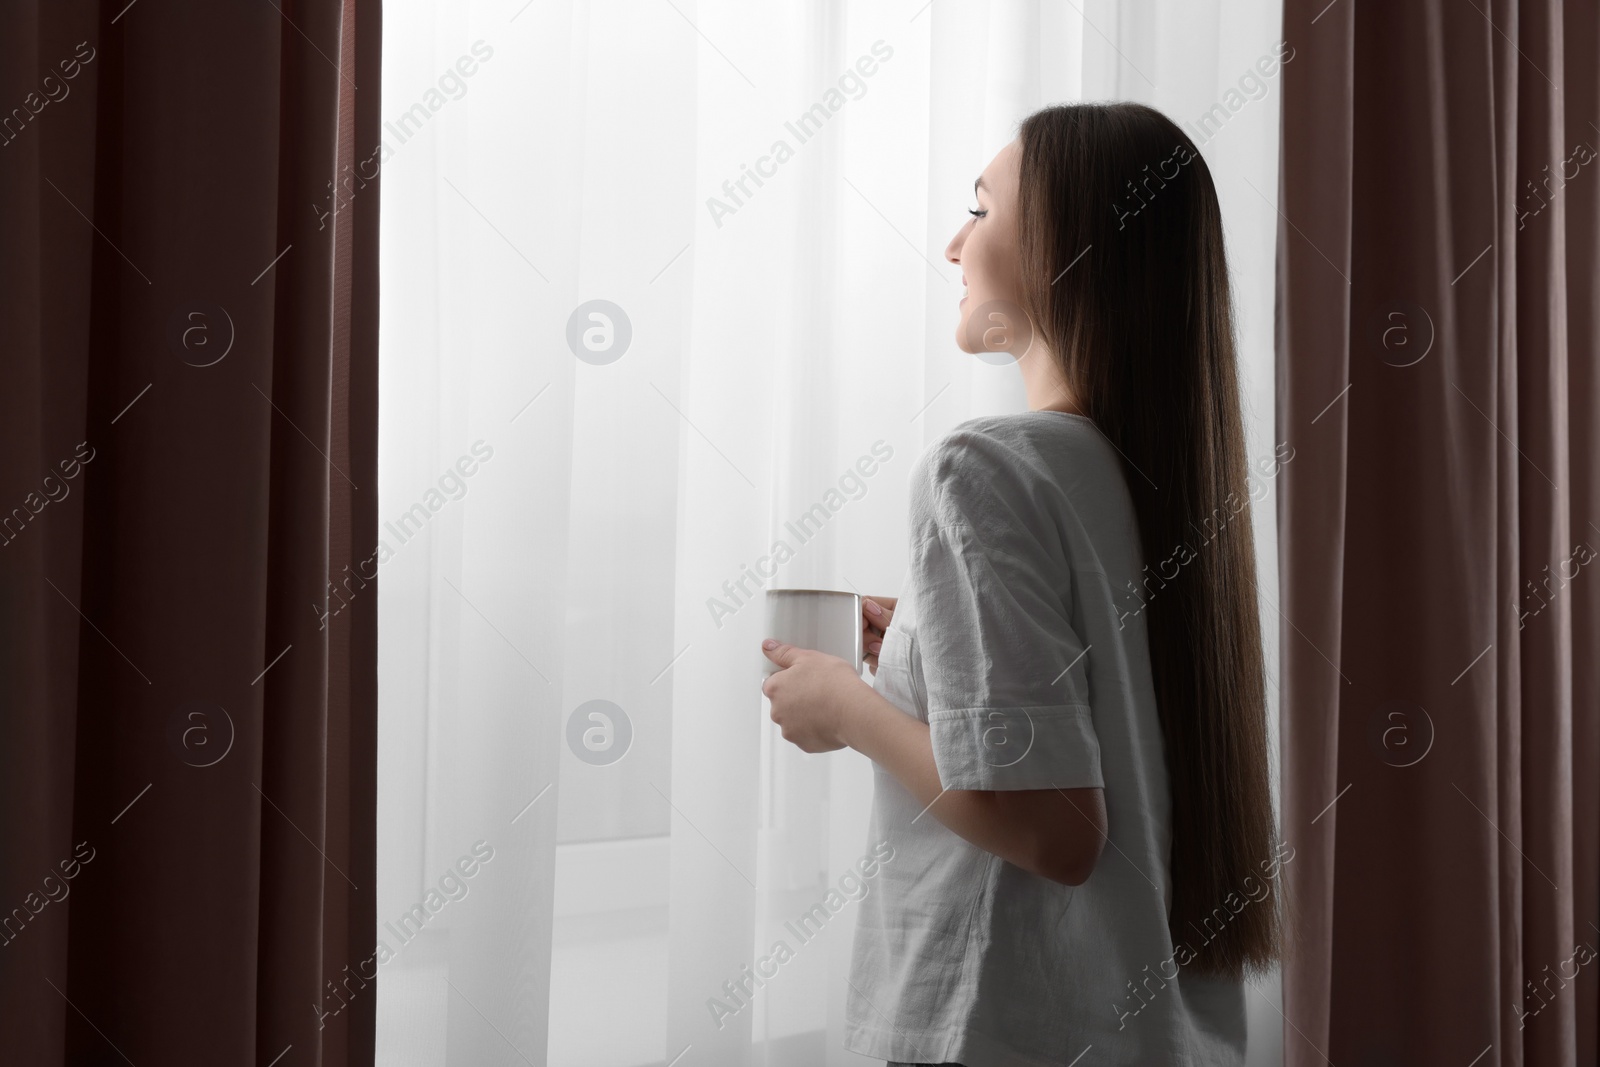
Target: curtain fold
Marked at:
188, 733
1441, 693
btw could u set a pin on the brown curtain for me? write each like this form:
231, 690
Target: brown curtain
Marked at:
188, 424
1440, 534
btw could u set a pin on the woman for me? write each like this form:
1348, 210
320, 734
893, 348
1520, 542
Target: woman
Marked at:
1077, 661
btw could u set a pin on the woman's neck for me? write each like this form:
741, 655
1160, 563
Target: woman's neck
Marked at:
1043, 383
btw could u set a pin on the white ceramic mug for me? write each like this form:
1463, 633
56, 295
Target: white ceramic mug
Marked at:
824, 619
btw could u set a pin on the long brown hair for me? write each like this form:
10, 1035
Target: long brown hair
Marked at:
1125, 280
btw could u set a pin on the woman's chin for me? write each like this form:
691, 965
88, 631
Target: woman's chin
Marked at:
961, 331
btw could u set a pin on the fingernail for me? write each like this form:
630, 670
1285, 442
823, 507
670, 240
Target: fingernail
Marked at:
769, 644
873, 609
875, 647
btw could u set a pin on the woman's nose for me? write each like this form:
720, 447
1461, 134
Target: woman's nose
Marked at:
952, 251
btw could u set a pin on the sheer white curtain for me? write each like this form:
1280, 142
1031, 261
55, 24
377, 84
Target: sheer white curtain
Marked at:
588, 828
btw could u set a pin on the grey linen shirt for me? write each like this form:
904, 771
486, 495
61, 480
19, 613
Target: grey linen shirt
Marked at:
1021, 643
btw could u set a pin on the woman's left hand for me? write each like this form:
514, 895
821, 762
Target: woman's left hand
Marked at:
809, 695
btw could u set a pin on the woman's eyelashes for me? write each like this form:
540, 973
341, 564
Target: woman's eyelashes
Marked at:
977, 213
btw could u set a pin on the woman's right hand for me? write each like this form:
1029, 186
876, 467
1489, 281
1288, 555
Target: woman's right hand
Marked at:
876, 614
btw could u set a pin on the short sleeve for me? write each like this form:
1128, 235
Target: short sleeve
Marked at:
1004, 671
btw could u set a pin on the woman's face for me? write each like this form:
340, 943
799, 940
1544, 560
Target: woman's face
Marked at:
986, 249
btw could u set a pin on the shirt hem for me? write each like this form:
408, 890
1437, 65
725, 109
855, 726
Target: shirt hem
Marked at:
1042, 746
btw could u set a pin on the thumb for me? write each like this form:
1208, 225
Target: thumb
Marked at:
779, 653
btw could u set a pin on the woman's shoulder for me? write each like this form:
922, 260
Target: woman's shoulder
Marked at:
1006, 451
1036, 470
993, 466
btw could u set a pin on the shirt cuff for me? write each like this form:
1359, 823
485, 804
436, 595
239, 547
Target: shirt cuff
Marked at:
1016, 748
